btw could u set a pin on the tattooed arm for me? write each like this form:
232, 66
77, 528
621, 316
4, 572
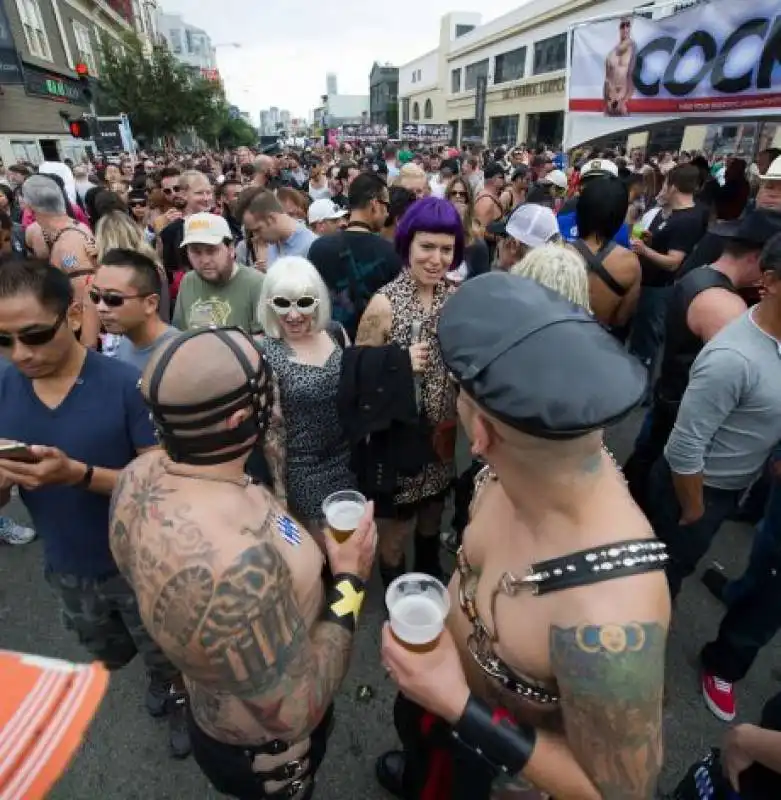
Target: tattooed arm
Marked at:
375, 325
611, 679
247, 621
275, 448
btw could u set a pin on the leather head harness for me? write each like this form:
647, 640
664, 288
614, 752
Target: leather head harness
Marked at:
181, 439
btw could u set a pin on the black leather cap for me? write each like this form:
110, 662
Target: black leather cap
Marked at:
536, 361
756, 227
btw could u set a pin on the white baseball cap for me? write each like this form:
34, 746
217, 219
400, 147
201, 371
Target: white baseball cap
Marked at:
598, 166
533, 225
557, 178
324, 209
205, 228
773, 171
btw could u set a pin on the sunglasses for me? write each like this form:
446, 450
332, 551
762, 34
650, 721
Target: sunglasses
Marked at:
36, 338
172, 189
304, 305
462, 195
113, 299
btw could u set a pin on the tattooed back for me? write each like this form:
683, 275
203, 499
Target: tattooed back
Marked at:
228, 586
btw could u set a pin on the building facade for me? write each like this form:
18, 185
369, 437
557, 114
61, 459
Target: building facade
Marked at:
191, 46
331, 85
523, 56
384, 96
50, 38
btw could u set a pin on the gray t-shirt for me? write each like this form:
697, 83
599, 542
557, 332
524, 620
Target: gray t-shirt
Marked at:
730, 415
139, 356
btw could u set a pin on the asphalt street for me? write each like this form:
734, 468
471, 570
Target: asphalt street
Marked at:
125, 754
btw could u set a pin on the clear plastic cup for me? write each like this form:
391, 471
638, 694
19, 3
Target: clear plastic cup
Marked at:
343, 512
418, 606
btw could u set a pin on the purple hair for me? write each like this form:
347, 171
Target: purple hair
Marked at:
430, 215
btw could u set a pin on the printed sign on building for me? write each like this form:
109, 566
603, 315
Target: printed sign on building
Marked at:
714, 60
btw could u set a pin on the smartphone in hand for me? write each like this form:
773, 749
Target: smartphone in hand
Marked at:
17, 451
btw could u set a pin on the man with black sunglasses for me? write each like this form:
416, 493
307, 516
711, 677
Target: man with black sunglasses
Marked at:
83, 420
126, 292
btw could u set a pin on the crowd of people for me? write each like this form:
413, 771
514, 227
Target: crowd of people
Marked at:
196, 350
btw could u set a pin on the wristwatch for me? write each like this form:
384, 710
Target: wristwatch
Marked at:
86, 481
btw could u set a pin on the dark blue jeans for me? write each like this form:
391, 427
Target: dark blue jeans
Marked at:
754, 602
686, 544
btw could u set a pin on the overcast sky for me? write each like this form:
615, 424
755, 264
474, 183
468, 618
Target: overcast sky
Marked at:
287, 46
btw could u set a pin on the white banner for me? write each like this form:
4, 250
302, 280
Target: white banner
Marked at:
714, 61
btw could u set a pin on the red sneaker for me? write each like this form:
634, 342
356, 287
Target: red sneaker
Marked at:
719, 696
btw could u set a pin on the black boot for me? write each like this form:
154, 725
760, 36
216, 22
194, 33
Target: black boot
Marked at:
389, 573
389, 769
715, 582
427, 556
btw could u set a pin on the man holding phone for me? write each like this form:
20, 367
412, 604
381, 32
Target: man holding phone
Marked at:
71, 420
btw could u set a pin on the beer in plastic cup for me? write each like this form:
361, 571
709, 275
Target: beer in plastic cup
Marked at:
418, 605
343, 512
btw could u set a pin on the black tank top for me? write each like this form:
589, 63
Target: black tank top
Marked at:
681, 345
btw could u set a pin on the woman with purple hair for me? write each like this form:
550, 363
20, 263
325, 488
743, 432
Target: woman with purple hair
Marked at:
430, 240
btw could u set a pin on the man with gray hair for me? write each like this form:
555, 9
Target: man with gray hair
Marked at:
70, 243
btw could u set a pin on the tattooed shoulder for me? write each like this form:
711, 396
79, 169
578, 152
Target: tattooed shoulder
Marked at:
374, 326
611, 679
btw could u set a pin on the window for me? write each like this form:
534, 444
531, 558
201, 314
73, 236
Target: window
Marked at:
453, 132
175, 35
503, 131
510, 66
462, 30
428, 110
550, 54
473, 72
84, 49
415, 112
34, 30
26, 150
414, 76
455, 81
405, 109
471, 130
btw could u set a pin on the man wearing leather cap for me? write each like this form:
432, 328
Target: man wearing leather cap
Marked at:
549, 671
229, 585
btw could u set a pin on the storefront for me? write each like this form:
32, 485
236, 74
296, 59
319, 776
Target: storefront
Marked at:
34, 117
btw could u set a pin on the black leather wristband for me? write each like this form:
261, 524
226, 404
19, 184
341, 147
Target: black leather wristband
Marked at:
343, 600
86, 481
495, 737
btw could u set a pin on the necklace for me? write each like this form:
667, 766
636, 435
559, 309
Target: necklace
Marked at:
244, 481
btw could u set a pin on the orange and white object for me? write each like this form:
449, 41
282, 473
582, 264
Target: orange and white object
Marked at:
46, 706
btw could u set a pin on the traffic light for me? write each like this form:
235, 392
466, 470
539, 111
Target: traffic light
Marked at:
82, 71
79, 129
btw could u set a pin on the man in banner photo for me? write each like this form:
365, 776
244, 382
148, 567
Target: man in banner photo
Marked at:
619, 66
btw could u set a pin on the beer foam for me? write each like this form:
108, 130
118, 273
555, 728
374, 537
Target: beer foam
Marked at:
344, 515
417, 619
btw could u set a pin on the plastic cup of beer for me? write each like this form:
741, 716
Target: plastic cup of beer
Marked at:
418, 606
343, 512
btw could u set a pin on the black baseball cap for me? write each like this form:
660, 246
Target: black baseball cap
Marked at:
535, 361
755, 227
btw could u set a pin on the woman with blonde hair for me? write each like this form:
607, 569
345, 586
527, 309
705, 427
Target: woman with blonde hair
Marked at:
560, 268
305, 351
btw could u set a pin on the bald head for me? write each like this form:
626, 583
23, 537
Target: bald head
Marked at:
202, 369
264, 164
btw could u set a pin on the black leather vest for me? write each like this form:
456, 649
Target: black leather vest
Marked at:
682, 346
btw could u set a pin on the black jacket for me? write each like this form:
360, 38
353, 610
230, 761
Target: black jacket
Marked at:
376, 404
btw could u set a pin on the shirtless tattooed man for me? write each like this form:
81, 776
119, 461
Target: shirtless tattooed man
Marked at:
548, 678
228, 584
